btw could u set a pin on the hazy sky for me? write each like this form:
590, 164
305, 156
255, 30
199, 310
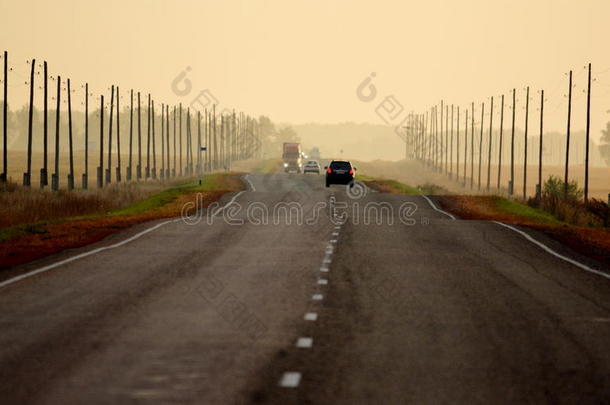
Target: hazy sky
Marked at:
301, 61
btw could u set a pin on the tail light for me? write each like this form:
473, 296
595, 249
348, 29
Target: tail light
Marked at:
329, 170
351, 172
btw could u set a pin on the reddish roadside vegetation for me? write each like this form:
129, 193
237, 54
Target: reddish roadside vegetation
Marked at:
590, 242
47, 238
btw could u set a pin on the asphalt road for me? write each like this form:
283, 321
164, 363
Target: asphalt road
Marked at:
422, 310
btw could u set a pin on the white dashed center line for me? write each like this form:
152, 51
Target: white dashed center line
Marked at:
290, 379
322, 281
333, 241
311, 316
305, 342
317, 297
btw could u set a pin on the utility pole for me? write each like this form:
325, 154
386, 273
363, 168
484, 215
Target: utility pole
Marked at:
180, 138
139, 168
472, 147
451, 147
109, 168
491, 120
86, 174
100, 168
501, 141
167, 169
565, 181
162, 172
465, 145
44, 181
440, 151
71, 174
154, 148
4, 176
587, 136
198, 142
511, 183
55, 178
174, 169
457, 146
527, 106
147, 172
118, 135
446, 138
215, 164
129, 168
28, 175
481, 144
539, 186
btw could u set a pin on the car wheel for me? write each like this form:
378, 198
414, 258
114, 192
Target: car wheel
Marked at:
351, 184
327, 184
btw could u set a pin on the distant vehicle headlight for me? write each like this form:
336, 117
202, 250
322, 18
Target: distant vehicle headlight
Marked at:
285, 164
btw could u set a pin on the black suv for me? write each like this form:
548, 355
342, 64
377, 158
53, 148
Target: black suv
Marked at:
340, 172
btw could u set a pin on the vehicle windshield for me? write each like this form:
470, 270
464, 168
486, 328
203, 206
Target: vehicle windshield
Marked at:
340, 165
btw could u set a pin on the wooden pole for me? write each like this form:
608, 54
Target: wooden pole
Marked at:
446, 151
147, 171
167, 169
501, 141
154, 147
55, 179
86, 174
180, 137
565, 181
44, 181
539, 186
71, 148
162, 172
110, 116
28, 175
511, 184
4, 176
100, 169
472, 147
118, 134
139, 168
130, 167
481, 144
174, 171
527, 106
587, 136
491, 119
451, 146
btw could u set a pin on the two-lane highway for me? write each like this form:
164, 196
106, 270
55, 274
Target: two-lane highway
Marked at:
426, 309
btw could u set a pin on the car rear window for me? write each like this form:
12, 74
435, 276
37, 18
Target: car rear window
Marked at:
341, 165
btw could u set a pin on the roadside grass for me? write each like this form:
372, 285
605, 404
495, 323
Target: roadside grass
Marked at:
387, 185
268, 166
26, 242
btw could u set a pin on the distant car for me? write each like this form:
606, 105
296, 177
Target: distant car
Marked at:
340, 172
311, 167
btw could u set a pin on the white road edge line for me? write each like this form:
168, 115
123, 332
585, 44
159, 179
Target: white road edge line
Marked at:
552, 252
436, 208
101, 249
250, 182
